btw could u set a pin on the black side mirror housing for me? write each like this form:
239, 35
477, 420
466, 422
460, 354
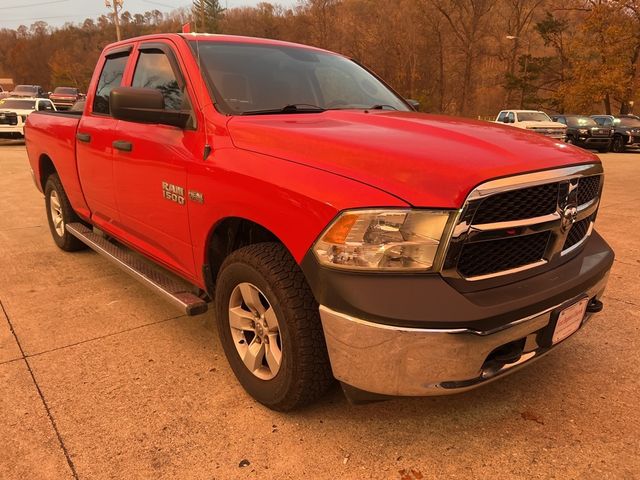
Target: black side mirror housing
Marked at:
144, 105
414, 104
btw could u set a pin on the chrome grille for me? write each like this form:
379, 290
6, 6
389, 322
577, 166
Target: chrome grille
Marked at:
588, 189
519, 223
9, 119
577, 233
518, 204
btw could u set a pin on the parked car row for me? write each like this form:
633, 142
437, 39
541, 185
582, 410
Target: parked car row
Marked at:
15, 110
599, 132
16, 105
585, 132
62, 97
626, 130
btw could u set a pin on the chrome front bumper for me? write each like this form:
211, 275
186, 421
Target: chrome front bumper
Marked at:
400, 361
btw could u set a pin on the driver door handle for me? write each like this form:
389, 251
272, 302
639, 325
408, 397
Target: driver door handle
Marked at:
83, 137
122, 145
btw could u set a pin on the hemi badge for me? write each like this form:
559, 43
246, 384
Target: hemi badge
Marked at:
196, 196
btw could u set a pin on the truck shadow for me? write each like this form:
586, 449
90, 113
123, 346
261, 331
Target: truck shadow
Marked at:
11, 142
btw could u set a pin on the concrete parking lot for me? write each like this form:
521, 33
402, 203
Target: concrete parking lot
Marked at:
102, 379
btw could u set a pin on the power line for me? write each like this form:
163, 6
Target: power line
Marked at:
31, 19
51, 2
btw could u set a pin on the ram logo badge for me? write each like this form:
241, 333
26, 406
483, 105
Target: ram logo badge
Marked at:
173, 192
196, 196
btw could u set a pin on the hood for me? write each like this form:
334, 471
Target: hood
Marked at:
530, 124
426, 160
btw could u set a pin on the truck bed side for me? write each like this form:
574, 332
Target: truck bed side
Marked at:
51, 145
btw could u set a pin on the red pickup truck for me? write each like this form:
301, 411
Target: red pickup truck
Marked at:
339, 233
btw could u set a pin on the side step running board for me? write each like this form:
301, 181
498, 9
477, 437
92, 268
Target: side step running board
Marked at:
174, 290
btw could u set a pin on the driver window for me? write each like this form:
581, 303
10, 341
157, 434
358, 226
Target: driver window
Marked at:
44, 106
502, 116
154, 71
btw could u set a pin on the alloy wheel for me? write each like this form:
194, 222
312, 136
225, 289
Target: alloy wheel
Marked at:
255, 331
56, 213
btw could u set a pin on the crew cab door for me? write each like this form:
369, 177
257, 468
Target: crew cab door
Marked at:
151, 162
94, 137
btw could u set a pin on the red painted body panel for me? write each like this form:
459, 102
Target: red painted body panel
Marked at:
427, 160
291, 174
56, 139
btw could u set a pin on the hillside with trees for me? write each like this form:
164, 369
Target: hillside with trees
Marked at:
460, 57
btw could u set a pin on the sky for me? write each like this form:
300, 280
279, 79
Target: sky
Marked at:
14, 13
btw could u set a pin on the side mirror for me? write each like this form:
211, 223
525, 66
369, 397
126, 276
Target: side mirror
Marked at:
144, 105
414, 103
506, 120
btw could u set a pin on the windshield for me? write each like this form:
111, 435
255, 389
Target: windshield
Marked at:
25, 88
627, 122
66, 91
581, 122
18, 104
533, 117
249, 78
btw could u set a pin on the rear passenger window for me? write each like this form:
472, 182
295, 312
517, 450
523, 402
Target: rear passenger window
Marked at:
154, 71
110, 78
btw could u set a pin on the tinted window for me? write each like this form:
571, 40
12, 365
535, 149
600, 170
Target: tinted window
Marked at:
154, 71
512, 117
110, 78
18, 104
563, 120
26, 89
533, 117
66, 91
581, 122
251, 78
502, 116
628, 122
45, 105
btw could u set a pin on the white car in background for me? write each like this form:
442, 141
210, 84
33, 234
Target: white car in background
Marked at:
533, 120
14, 113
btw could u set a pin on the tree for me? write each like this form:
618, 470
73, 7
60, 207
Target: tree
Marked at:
207, 14
468, 20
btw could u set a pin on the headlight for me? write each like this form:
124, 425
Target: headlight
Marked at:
583, 131
385, 240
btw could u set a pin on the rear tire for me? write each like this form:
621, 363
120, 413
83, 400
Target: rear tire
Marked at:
269, 273
59, 213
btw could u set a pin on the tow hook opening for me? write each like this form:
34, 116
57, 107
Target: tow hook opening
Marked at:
504, 355
595, 306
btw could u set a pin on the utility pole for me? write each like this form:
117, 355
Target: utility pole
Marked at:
117, 6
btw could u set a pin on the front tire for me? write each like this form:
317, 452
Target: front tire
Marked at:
269, 326
59, 213
618, 145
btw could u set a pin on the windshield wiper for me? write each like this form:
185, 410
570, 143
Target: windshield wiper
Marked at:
291, 108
